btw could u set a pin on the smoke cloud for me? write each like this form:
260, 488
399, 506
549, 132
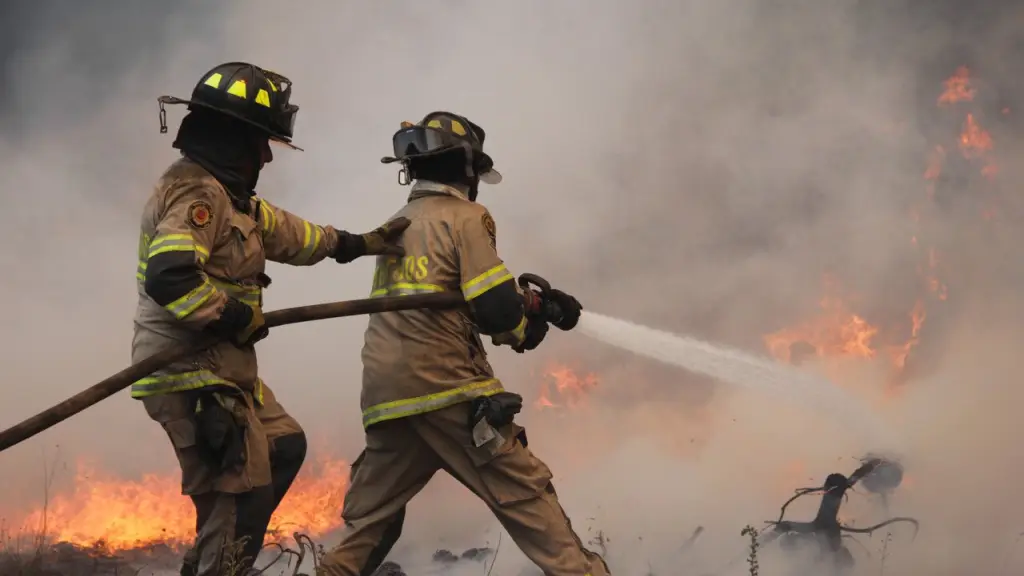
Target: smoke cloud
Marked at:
695, 166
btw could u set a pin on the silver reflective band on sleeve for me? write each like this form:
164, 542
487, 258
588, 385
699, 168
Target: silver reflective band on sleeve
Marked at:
404, 289
485, 282
170, 243
188, 303
310, 242
430, 402
168, 383
177, 243
251, 295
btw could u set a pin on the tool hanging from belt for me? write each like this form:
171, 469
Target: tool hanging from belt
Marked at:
489, 414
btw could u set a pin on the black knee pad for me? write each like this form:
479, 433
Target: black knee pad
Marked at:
190, 564
285, 462
387, 542
253, 510
289, 448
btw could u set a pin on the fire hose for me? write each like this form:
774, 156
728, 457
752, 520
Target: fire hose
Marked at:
123, 379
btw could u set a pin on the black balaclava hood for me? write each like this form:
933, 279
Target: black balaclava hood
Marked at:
448, 167
226, 148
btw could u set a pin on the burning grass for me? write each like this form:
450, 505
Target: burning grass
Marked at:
36, 556
103, 511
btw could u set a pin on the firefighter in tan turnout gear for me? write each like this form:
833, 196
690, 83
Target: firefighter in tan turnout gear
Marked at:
430, 399
204, 244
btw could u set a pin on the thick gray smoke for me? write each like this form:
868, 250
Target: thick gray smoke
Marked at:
693, 165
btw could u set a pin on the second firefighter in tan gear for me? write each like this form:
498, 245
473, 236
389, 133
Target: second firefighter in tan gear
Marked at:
204, 243
425, 373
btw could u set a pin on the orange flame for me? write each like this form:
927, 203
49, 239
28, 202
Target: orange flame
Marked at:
974, 142
835, 332
839, 332
900, 353
561, 387
116, 514
958, 87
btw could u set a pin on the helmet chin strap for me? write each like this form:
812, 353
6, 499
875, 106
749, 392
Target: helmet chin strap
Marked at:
472, 177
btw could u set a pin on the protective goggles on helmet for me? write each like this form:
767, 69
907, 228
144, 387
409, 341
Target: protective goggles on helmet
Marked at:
418, 140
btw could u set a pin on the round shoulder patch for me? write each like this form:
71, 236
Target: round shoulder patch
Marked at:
199, 215
491, 229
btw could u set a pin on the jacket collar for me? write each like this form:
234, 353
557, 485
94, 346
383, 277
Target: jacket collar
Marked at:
422, 188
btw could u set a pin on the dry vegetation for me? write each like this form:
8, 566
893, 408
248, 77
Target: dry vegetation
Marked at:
35, 556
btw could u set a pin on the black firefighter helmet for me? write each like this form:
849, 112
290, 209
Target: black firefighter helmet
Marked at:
441, 134
244, 91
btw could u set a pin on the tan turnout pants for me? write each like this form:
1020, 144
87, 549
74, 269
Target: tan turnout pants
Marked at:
402, 455
232, 505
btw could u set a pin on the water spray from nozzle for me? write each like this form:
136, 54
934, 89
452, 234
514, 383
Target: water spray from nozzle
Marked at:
746, 370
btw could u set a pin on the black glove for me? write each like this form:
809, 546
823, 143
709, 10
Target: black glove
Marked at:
240, 323
568, 307
380, 241
498, 409
536, 330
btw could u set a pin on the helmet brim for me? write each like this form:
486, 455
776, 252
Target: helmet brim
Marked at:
492, 176
275, 137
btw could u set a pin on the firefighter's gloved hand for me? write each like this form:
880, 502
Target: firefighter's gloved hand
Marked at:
240, 323
221, 430
536, 330
568, 309
382, 240
498, 409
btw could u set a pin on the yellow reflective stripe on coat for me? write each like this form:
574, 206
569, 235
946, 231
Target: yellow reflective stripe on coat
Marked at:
168, 383
430, 402
188, 303
405, 289
177, 243
519, 332
485, 282
268, 217
310, 242
251, 295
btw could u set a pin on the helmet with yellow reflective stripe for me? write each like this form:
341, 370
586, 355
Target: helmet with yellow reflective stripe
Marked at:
247, 92
440, 134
